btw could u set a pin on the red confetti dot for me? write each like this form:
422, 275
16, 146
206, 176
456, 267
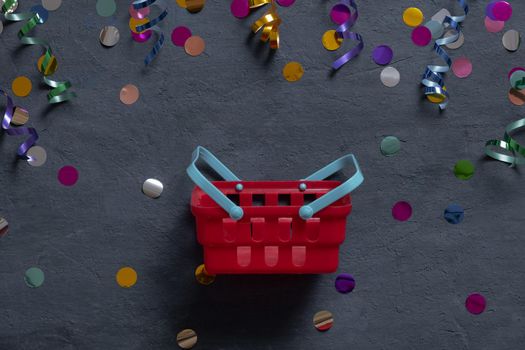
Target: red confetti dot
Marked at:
421, 36
68, 175
475, 303
402, 211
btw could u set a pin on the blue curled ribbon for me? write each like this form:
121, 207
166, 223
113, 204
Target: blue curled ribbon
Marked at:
343, 32
6, 125
140, 4
433, 78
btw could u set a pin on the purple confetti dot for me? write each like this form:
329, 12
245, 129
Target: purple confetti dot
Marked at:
240, 8
489, 10
285, 3
68, 175
344, 283
402, 211
340, 14
179, 35
382, 54
475, 303
421, 36
502, 11
141, 37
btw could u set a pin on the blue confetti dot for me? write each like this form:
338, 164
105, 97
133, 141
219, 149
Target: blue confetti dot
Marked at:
454, 214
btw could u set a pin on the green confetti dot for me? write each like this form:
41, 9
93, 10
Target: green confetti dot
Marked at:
390, 145
106, 8
34, 277
464, 169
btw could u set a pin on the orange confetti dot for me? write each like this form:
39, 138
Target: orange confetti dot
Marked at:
126, 277
21, 86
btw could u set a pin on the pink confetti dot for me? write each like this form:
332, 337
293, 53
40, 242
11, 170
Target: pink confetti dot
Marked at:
285, 3
462, 67
340, 14
494, 26
141, 37
475, 303
179, 35
68, 175
240, 8
140, 13
402, 211
421, 36
502, 11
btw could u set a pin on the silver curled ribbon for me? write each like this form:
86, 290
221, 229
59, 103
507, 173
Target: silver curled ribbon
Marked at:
508, 143
433, 78
38, 15
10, 130
343, 32
152, 24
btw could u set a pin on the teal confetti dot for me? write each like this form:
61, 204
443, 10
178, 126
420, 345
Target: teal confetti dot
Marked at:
390, 146
106, 8
34, 277
464, 169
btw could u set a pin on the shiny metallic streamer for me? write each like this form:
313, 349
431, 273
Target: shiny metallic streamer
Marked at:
152, 24
343, 32
269, 23
508, 143
6, 125
38, 15
433, 78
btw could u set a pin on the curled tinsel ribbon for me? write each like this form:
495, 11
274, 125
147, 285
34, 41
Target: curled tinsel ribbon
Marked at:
38, 15
432, 79
152, 24
6, 125
508, 143
343, 32
269, 23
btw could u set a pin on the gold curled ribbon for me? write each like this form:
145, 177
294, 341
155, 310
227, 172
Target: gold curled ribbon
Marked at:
269, 23
38, 15
508, 143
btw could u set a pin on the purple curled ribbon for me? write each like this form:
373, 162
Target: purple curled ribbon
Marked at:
343, 32
6, 125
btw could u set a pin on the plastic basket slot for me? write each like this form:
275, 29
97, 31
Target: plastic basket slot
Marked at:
257, 227
309, 198
229, 229
285, 229
271, 255
313, 226
258, 200
234, 198
244, 256
285, 199
298, 255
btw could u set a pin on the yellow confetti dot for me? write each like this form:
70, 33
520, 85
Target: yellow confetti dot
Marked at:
202, 276
134, 22
52, 65
331, 41
413, 17
437, 98
21, 86
182, 3
126, 277
293, 71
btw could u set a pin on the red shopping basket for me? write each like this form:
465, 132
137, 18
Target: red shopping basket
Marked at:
271, 227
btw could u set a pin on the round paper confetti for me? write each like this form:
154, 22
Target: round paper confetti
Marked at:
454, 214
202, 276
323, 321
464, 169
4, 227
20, 116
134, 23
340, 14
390, 77
181, 3
456, 44
109, 36
34, 277
286, 3
152, 188
68, 175
437, 98
179, 35
331, 41
344, 283
514, 70
412, 16
494, 26
436, 28
106, 8
194, 45
517, 79
511, 40
517, 97
187, 338
293, 71
440, 15
240, 8
382, 54
390, 145
141, 37
140, 13
421, 36
37, 156
21, 86
51, 67
126, 277
194, 6
462, 67
51, 5
402, 211
475, 303
501, 11
129, 94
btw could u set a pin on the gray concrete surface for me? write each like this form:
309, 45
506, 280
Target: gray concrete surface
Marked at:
412, 277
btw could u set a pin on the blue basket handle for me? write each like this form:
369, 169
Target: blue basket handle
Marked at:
235, 212
307, 211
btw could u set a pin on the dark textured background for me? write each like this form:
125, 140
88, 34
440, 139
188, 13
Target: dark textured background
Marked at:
412, 277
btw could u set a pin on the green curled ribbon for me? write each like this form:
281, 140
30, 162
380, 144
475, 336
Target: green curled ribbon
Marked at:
38, 15
509, 144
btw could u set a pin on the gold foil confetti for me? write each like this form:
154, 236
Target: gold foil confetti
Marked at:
202, 276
